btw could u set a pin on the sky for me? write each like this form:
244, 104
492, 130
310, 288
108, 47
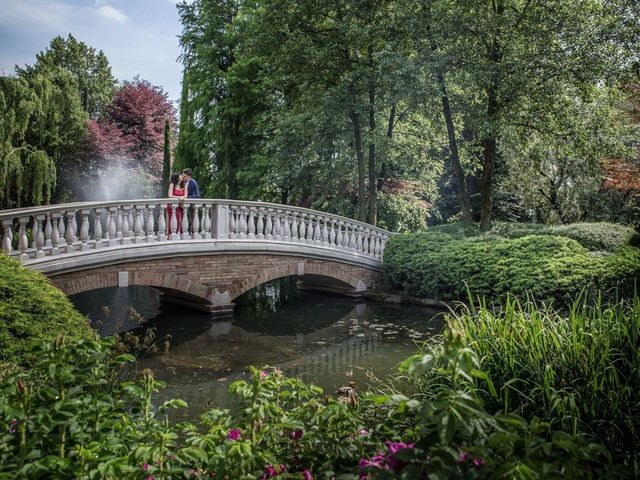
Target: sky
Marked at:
139, 37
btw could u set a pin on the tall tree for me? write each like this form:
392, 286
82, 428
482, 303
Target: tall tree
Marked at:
166, 159
89, 67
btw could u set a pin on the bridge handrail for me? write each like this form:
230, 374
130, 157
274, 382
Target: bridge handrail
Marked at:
65, 228
26, 211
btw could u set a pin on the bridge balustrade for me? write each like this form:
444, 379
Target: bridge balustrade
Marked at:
38, 232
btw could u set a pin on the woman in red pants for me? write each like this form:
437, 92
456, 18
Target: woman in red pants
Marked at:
177, 189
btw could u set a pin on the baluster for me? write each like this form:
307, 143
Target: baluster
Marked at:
251, 226
23, 241
62, 242
162, 222
324, 234
34, 233
55, 233
195, 223
316, 229
260, 225
126, 232
232, 222
352, 238
149, 223
359, 240
119, 233
84, 230
185, 222
131, 222
339, 237
137, 224
243, 222
376, 249
7, 238
366, 241
40, 235
207, 222
277, 227
68, 234
303, 228
74, 223
286, 233
294, 227
332, 232
97, 227
173, 222
112, 226
268, 229
48, 230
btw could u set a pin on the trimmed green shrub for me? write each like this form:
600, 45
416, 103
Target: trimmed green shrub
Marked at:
32, 309
593, 236
436, 265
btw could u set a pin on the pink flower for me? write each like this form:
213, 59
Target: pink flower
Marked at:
269, 472
296, 434
264, 373
306, 475
145, 466
234, 434
363, 432
463, 457
13, 425
394, 463
477, 462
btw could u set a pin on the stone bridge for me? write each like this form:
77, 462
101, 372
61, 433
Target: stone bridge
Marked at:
221, 249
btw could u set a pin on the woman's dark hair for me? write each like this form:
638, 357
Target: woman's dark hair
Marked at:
175, 176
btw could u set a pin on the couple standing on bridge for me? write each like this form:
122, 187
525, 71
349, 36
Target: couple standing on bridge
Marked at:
181, 186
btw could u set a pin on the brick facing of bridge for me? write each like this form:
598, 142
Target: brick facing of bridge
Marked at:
202, 276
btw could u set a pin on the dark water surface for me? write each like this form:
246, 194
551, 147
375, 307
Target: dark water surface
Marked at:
326, 340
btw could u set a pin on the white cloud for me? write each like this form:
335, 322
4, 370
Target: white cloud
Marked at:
112, 13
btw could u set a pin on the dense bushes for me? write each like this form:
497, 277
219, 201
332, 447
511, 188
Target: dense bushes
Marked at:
31, 309
600, 236
580, 371
437, 265
71, 426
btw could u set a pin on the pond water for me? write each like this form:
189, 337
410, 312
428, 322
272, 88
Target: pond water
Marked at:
326, 340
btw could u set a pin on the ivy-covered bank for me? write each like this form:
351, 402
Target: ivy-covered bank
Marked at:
550, 263
32, 310
455, 412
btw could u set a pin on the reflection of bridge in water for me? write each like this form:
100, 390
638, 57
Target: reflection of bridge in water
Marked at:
322, 356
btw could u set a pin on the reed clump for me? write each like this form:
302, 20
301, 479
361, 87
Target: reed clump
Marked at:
577, 369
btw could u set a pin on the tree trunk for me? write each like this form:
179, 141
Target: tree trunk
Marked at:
463, 196
373, 213
355, 120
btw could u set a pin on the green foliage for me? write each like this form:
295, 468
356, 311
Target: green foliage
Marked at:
71, 425
400, 214
437, 265
580, 370
32, 310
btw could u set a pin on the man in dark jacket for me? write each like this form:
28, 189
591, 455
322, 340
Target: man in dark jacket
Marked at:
192, 186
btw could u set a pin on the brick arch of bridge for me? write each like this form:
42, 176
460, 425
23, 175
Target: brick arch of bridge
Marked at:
214, 279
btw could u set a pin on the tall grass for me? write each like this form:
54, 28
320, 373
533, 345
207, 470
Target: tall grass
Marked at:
578, 370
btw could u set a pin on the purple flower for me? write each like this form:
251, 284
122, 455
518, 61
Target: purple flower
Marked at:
477, 462
269, 472
234, 434
463, 457
13, 425
363, 432
306, 475
394, 463
296, 434
264, 373
145, 466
